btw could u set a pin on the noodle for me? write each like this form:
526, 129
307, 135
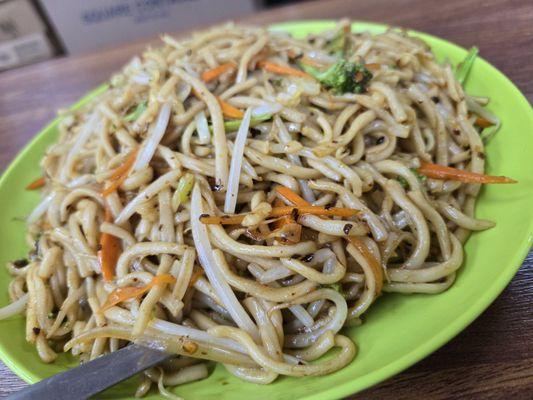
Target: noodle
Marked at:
311, 187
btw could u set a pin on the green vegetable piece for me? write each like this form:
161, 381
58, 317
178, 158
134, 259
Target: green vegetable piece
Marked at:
184, 188
335, 286
233, 125
132, 116
402, 181
337, 45
342, 77
463, 68
488, 133
421, 178
276, 82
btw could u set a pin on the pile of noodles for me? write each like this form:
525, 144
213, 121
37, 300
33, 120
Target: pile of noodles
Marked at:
148, 161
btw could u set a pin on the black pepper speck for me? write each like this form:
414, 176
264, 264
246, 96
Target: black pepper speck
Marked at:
347, 228
307, 258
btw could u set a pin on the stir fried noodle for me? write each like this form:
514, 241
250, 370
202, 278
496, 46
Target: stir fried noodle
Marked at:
241, 196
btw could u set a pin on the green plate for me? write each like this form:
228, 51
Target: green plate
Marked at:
398, 330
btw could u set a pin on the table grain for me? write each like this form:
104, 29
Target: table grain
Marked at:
493, 357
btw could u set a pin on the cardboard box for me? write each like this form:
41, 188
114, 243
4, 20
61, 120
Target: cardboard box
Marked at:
88, 25
23, 37
18, 18
25, 50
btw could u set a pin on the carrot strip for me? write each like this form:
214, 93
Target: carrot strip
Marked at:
283, 220
314, 210
300, 206
122, 294
229, 111
436, 171
285, 228
163, 278
373, 67
109, 251
283, 211
290, 233
120, 174
291, 196
212, 74
310, 62
223, 220
292, 54
36, 184
482, 122
197, 274
125, 166
281, 69
370, 259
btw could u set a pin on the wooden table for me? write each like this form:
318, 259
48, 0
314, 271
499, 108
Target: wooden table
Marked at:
492, 358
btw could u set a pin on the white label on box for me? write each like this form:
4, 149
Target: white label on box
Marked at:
89, 25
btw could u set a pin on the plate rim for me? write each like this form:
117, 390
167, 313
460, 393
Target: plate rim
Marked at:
465, 318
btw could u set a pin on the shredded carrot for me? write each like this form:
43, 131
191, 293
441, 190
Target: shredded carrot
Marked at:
295, 199
482, 122
223, 220
291, 196
36, 184
283, 220
435, 171
212, 74
109, 251
120, 174
312, 63
288, 225
289, 233
292, 54
370, 259
229, 111
197, 274
285, 228
125, 166
314, 210
281, 69
122, 294
283, 211
373, 67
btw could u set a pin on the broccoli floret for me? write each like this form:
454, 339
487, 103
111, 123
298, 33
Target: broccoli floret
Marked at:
343, 76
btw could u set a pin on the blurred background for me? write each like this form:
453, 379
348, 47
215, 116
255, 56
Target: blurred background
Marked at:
36, 30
